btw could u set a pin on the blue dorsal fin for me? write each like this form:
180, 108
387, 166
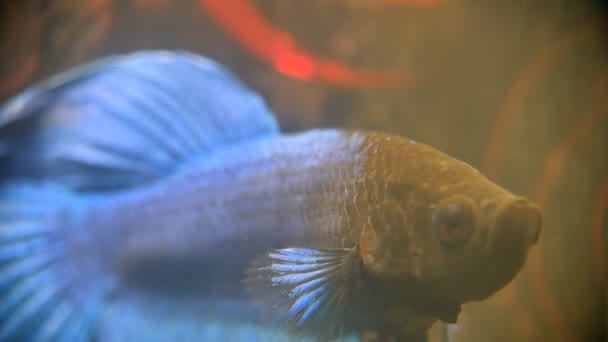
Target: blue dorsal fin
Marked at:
124, 120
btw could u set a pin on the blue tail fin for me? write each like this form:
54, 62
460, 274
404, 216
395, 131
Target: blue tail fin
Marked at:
42, 296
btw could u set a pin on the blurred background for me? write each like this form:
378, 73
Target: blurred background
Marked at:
516, 88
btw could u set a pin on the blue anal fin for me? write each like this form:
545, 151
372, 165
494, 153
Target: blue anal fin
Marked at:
159, 318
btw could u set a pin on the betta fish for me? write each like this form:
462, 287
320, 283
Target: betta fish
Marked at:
154, 192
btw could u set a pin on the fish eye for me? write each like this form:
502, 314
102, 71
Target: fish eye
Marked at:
454, 221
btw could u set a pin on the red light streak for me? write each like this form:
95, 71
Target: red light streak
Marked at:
547, 302
598, 233
243, 21
296, 66
547, 59
528, 77
418, 3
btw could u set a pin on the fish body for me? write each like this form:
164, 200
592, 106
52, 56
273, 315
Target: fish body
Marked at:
155, 192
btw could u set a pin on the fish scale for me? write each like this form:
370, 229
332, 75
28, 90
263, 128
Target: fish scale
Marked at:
266, 197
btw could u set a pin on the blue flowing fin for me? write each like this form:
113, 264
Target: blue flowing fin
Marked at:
125, 120
45, 294
308, 290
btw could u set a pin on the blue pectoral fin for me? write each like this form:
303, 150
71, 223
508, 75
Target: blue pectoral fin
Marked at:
122, 121
309, 290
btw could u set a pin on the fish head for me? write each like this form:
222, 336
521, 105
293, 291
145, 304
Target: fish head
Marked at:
451, 235
472, 245
469, 237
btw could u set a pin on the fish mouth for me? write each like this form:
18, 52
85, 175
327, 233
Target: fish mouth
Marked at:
516, 227
517, 222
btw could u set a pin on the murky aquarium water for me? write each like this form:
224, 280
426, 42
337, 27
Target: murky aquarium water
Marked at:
282, 170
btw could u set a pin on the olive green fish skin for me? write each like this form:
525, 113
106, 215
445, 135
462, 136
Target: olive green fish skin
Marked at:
419, 178
317, 190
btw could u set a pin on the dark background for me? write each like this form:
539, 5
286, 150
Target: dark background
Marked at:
517, 88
